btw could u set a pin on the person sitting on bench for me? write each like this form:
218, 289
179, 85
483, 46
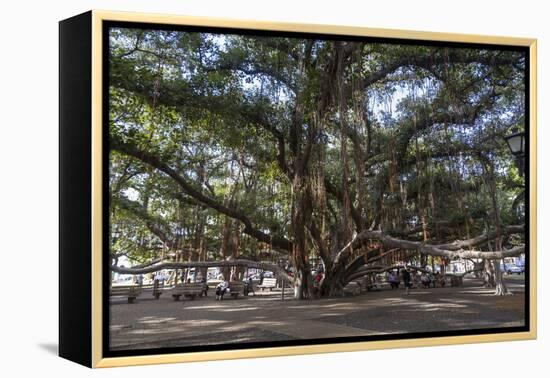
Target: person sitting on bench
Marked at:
393, 279
221, 289
426, 280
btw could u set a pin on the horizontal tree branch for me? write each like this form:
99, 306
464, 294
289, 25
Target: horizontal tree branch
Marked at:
155, 225
377, 269
429, 61
144, 269
435, 250
147, 264
155, 162
481, 239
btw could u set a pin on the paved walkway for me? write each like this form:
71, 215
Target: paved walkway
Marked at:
265, 317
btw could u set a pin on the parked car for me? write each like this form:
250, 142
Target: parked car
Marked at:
511, 269
257, 276
125, 278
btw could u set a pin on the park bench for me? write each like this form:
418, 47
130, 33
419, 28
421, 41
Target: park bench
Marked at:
156, 289
456, 281
352, 288
236, 288
131, 292
268, 283
188, 290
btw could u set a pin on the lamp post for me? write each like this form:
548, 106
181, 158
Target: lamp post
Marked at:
516, 143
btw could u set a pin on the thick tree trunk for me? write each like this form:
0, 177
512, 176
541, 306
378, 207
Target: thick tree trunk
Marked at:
500, 287
342, 270
489, 168
302, 284
333, 284
226, 250
301, 213
198, 242
302, 275
488, 274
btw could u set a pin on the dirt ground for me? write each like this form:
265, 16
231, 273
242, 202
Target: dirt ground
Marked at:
150, 323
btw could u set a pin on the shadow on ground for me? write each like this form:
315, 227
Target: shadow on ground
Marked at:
52, 348
166, 323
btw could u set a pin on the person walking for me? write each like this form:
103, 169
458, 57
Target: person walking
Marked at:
249, 287
204, 287
406, 279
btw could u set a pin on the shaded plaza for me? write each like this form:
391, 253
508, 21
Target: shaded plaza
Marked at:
150, 323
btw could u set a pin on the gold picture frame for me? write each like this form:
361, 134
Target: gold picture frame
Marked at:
85, 291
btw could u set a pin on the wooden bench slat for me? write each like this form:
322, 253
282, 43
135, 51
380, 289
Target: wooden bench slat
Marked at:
268, 283
236, 288
190, 290
131, 292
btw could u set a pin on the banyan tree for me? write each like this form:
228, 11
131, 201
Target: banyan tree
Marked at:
262, 149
